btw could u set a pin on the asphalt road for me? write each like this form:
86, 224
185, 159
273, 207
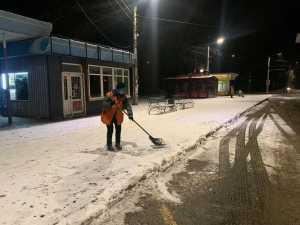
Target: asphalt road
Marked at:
234, 185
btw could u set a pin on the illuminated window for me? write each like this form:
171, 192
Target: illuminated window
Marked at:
18, 85
223, 85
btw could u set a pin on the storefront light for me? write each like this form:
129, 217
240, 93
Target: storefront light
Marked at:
4, 81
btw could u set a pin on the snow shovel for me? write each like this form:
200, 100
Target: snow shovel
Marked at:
156, 141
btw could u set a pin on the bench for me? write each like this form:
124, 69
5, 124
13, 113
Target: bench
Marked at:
182, 101
160, 104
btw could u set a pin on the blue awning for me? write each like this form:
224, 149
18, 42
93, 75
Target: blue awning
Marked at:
29, 47
19, 28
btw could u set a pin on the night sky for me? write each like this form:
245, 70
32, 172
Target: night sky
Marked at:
252, 31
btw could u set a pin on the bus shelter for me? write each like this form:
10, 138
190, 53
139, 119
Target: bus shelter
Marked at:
15, 28
225, 81
193, 86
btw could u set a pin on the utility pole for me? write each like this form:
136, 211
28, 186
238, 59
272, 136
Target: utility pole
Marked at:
9, 112
288, 77
249, 81
195, 62
268, 82
207, 66
135, 67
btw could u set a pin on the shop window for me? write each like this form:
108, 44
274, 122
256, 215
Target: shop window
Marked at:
126, 82
178, 89
94, 69
117, 79
203, 87
118, 72
107, 84
18, 85
95, 86
126, 73
107, 70
194, 89
65, 80
223, 85
104, 79
220, 86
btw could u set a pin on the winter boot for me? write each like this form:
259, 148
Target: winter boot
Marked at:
118, 146
110, 148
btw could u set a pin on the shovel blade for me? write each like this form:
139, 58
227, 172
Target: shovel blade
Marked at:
157, 141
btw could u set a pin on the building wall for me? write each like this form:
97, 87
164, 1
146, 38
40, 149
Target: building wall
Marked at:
55, 86
38, 103
54, 63
95, 107
45, 84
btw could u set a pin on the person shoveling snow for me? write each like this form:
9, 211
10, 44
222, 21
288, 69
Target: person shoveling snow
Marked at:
113, 104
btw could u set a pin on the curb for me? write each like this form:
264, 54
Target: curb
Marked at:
204, 137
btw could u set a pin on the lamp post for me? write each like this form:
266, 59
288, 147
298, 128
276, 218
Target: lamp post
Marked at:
268, 81
207, 65
219, 41
135, 80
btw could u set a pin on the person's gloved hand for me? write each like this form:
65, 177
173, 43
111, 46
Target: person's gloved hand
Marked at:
112, 102
130, 117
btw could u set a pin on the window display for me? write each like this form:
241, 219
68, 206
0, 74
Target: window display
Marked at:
18, 85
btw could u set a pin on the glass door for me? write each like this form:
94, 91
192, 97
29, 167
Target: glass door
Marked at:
73, 101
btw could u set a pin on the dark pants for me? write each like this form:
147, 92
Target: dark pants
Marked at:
110, 130
231, 95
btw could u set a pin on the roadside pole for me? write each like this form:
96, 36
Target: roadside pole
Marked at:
135, 68
7, 81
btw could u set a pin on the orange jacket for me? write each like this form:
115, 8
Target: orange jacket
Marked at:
232, 90
108, 113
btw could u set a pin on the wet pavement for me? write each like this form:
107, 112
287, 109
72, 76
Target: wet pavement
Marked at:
245, 174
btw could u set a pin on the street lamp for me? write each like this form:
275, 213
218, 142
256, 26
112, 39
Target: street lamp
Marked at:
268, 81
219, 41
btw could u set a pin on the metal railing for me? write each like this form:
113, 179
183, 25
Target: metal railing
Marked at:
71, 47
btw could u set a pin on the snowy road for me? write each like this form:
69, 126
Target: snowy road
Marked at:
60, 172
247, 173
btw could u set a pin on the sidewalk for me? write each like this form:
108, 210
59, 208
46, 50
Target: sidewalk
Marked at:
61, 172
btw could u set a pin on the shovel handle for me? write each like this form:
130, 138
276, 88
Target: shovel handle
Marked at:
134, 121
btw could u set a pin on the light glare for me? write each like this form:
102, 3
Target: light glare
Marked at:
220, 40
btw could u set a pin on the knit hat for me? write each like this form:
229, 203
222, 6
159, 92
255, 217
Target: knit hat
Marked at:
121, 86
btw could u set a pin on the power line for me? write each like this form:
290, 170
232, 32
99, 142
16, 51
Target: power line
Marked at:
100, 30
127, 7
71, 7
177, 21
119, 15
130, 6
123, 9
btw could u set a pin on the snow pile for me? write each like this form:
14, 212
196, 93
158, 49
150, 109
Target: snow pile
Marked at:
61, 172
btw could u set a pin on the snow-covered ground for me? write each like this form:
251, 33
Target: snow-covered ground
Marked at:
276, 150
61, 172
